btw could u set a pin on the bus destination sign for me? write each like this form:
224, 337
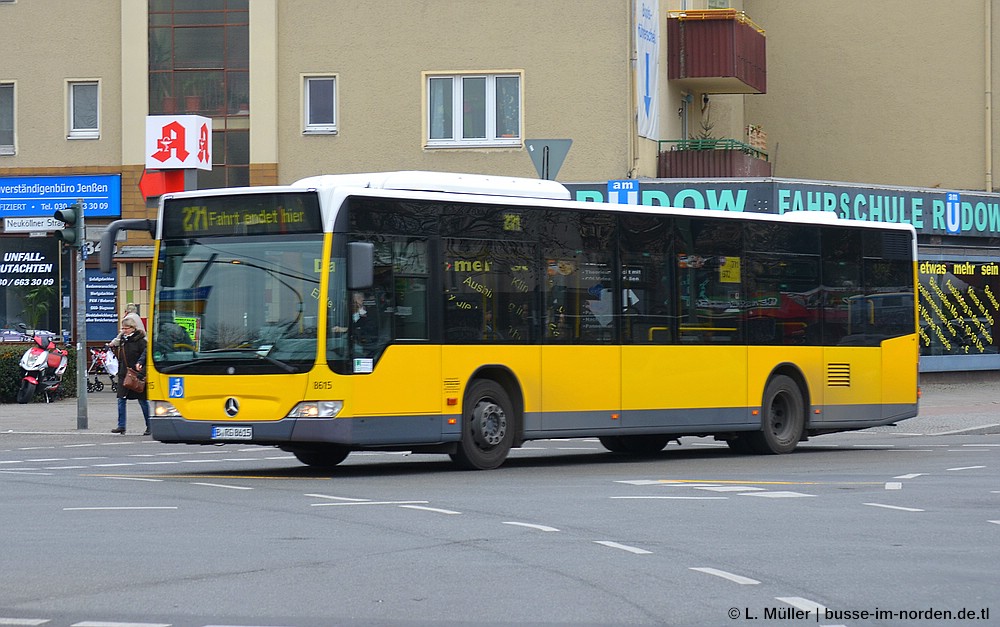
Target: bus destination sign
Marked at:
249, 214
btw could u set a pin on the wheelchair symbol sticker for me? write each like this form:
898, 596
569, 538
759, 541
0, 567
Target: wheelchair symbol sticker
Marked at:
176, 387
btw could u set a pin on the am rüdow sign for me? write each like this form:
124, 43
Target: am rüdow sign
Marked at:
930, 211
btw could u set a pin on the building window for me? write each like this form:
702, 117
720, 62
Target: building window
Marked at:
474, 110
84, 110
6, 118
199, 64
320, 100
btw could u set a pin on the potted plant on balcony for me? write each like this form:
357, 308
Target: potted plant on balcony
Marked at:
704, 140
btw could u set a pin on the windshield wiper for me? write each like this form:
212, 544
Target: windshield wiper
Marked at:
271, 360
176, 367
256, 351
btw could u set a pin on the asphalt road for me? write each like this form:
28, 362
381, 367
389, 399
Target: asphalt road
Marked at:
107, 528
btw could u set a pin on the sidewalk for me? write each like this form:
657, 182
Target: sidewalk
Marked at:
61, 416
967, 403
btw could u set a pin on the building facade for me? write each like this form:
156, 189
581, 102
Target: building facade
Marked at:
880, 94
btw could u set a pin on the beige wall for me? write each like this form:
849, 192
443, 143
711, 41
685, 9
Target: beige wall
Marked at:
887, 92
43, 47
574, 56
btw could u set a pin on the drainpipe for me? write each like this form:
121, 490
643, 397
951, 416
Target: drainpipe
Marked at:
632, 156
987, 80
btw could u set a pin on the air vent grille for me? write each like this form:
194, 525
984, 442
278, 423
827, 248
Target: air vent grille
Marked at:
838, 375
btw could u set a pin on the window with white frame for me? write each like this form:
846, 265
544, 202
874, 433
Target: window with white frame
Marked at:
320, 100
474, 110
6, 118
84, 110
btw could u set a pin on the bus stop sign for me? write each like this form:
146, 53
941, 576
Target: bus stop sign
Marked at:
548, 155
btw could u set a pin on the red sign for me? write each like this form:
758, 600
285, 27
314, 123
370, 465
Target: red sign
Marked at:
159, 182
178, 141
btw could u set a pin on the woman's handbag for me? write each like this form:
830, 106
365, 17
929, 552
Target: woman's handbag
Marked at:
133, 382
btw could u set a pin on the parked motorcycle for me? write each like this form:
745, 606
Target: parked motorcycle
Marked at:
42, 366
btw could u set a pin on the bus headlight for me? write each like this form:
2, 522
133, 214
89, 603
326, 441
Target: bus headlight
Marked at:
163, 409
316, 409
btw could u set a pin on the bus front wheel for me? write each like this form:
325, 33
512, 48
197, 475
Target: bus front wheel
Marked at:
487, 427
321, 456
783, 420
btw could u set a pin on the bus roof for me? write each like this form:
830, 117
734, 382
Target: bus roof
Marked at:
452, 182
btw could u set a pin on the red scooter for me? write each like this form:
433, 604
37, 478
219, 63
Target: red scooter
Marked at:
42, 366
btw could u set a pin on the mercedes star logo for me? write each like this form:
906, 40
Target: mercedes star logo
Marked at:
232, 407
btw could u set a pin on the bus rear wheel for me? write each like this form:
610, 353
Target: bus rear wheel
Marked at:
783, 420
487, 427
321, 456
635, 444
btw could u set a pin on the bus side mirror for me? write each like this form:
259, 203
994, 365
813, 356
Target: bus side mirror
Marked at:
360, 265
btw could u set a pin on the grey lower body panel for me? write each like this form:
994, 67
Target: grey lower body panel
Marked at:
353, 432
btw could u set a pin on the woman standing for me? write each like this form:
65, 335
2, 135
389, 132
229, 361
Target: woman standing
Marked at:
130, 349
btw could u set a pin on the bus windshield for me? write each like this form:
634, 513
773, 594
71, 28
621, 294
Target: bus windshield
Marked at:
237, 305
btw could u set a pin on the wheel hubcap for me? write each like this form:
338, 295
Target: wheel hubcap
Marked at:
779, 414
489, 424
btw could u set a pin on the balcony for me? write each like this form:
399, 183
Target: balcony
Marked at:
716, 51
710, 158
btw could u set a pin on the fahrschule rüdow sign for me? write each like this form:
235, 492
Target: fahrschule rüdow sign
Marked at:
930, 211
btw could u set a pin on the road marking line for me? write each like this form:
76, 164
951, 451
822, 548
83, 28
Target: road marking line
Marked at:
623, 547
64, 467
979, 445
912, 475
336, 498
893, 485
776, 495
531, 526
98, 623
134, 479
365, 503
23, 472
966, 468
743, 581
712, 481
995, 522
803, 604
729, 488
101, 509
222, 485
432, 509
897, 507
675, 498
26, 622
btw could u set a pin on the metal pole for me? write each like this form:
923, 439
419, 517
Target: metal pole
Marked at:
81, 325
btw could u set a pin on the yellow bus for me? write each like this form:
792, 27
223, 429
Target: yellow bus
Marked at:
467, 314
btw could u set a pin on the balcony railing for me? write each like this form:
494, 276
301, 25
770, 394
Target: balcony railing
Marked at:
710, 144
716, 158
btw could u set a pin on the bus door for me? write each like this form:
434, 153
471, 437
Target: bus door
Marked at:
581, 359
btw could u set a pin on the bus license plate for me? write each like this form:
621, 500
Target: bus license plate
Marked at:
232, 433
